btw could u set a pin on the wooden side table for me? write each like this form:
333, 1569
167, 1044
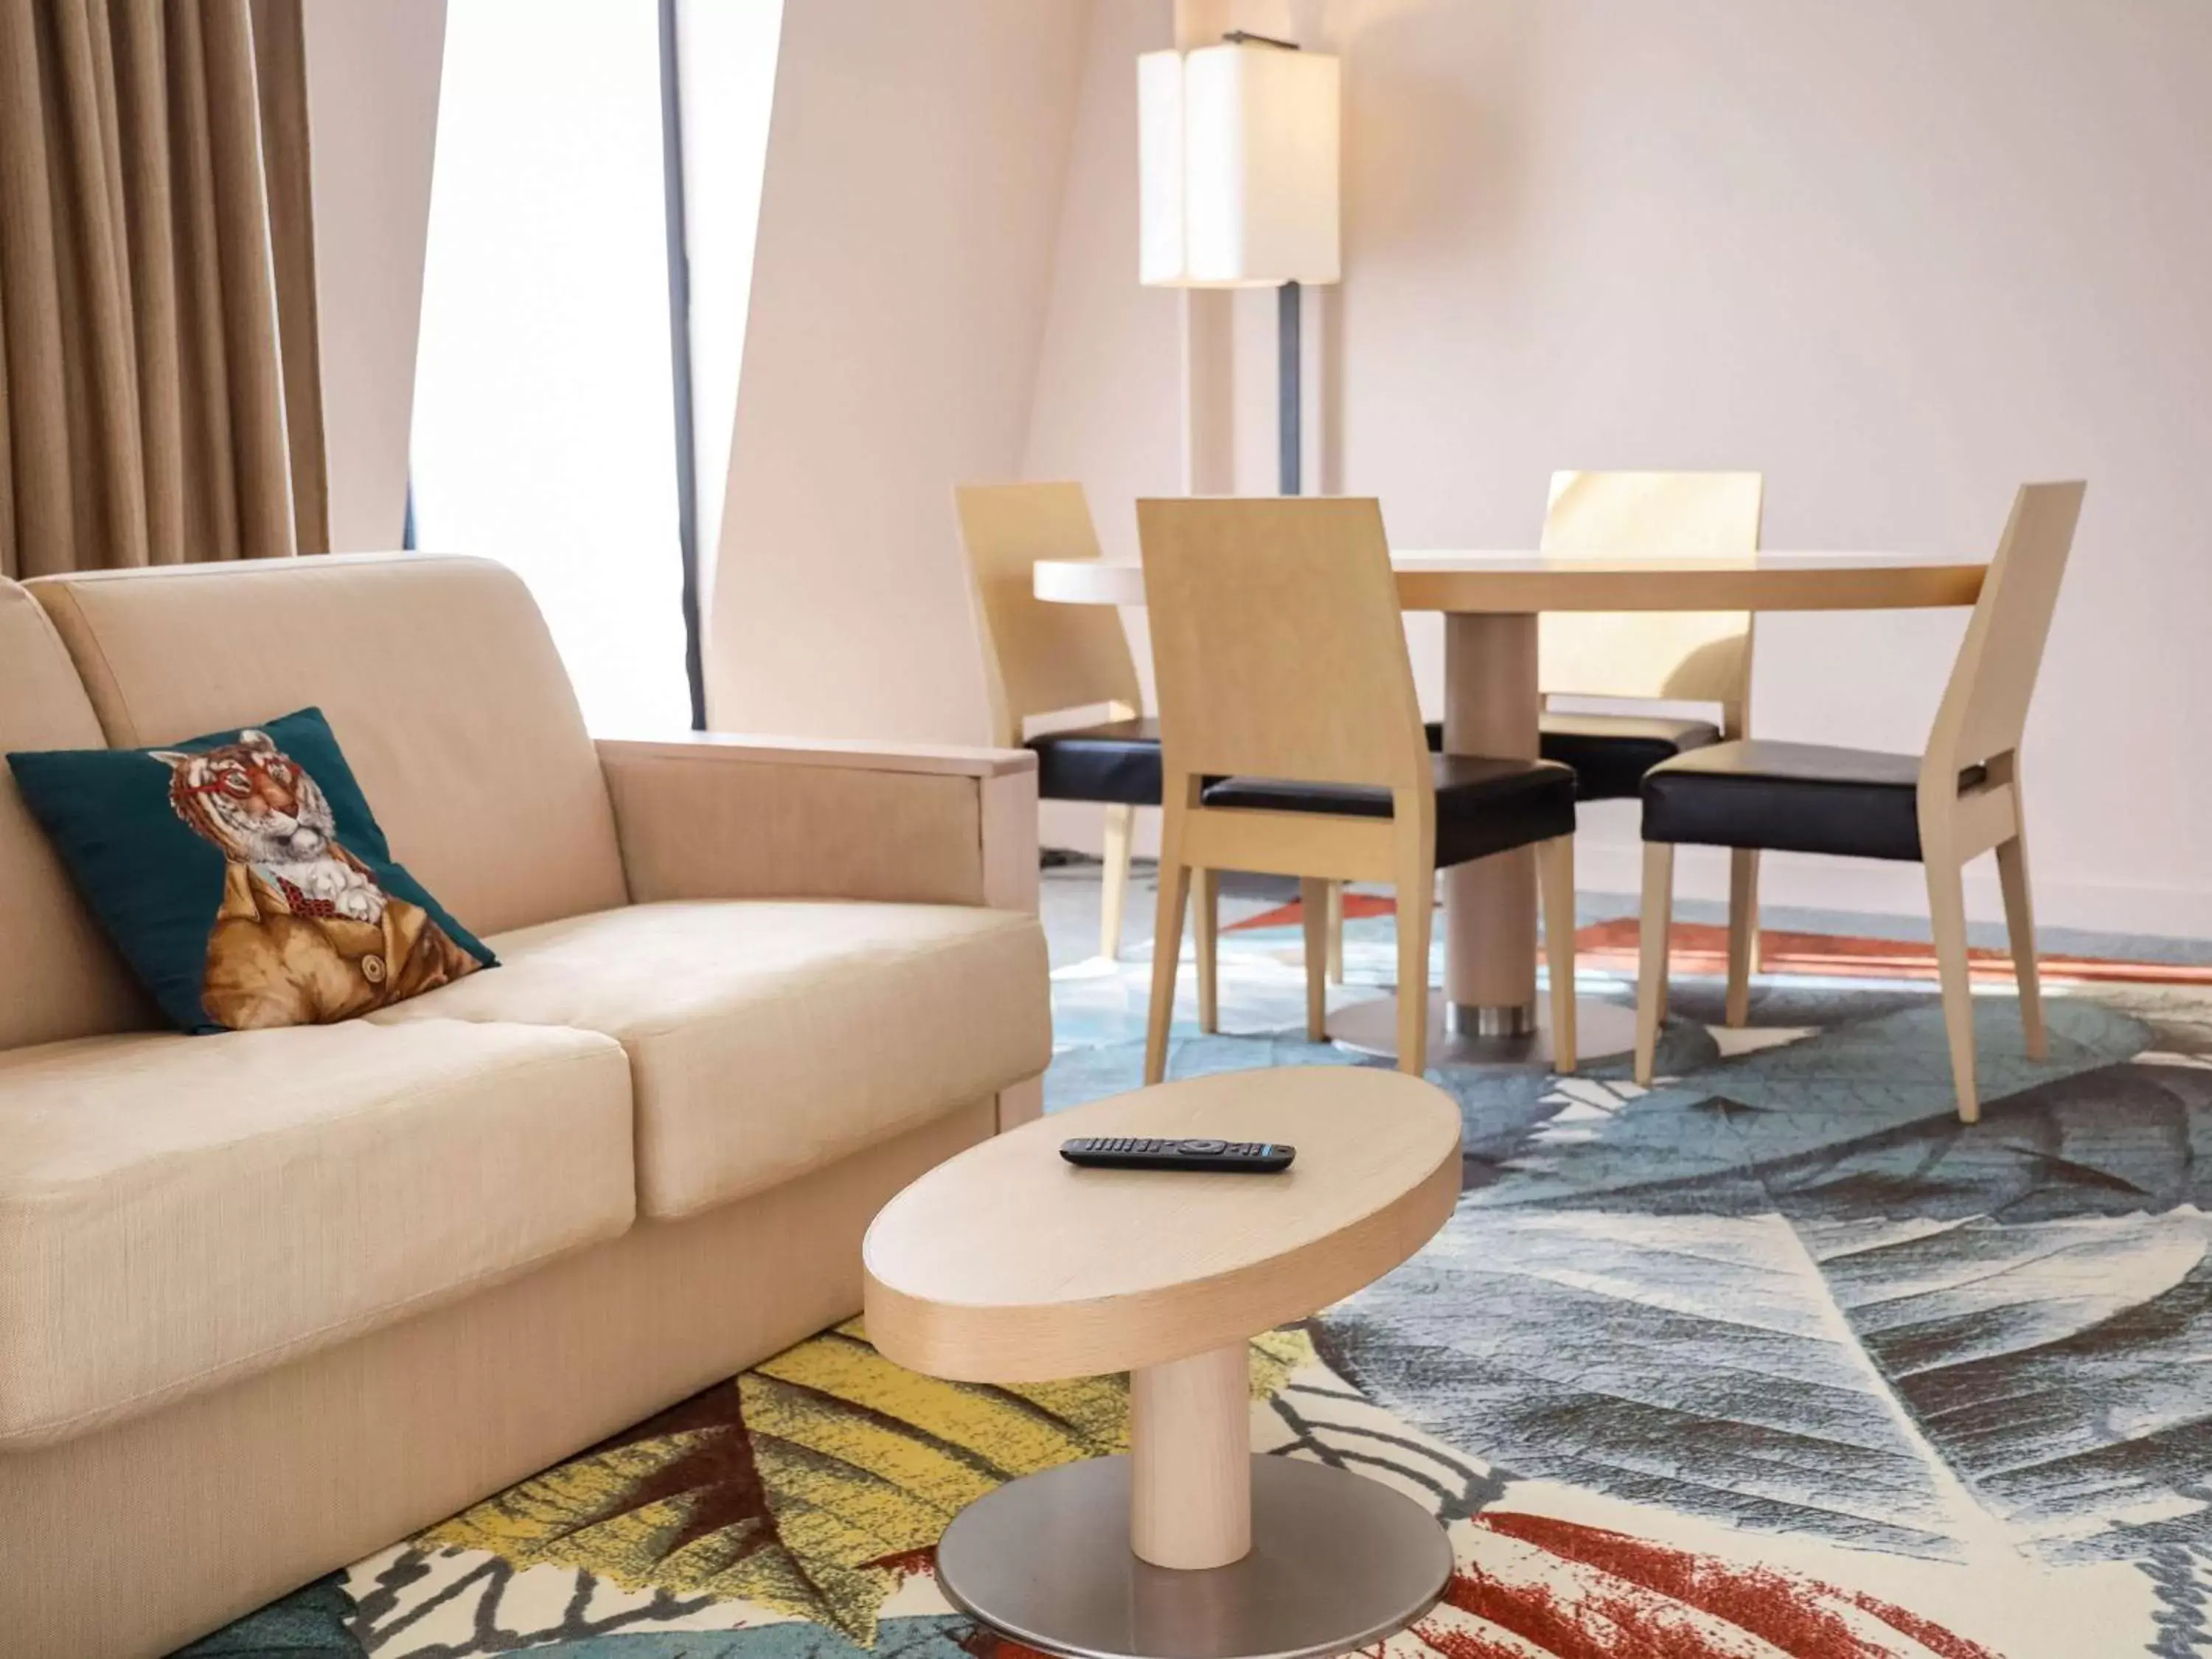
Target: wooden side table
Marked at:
1008, 1265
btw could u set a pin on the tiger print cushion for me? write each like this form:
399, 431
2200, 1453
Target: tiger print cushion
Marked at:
244, 878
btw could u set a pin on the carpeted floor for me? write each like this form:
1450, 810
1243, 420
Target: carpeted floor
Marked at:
1776, 1357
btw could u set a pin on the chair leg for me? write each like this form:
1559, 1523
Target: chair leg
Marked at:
1417, 884
1947, 916
2020, 930
1205, 910
1314, 908
1555, 864
1336, 932
1167, 946
1742, 932
1114, 881
1651, 981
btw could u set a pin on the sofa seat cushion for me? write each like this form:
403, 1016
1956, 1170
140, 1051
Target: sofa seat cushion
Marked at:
770, 1038
178, 1212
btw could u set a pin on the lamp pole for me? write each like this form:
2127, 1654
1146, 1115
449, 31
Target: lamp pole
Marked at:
1289, 406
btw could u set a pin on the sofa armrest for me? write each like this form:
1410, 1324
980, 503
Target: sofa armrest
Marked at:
711, 815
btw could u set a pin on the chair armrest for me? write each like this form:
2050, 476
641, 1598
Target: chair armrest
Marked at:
710, 814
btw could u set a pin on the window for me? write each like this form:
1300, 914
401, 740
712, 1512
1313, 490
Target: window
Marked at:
545, 428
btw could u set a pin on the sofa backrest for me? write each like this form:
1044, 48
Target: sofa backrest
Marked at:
439, 678
58, 978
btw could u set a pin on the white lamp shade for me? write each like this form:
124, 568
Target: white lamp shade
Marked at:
1238, 162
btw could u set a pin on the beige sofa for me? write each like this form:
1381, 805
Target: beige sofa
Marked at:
270, 1300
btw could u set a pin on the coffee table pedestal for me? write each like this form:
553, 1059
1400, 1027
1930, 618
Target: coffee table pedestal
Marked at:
1191, 1547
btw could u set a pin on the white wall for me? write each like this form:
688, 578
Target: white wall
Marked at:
372, 119
1901, 256
901, 276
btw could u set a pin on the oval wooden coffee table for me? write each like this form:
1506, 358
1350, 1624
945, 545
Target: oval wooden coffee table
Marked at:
1009, 1265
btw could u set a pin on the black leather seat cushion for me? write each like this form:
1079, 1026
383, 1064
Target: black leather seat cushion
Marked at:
1118, 761
1789, 798
1610, 753
1483, 805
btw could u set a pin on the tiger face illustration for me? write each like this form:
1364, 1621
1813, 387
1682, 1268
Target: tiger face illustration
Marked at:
260, 809
305, 933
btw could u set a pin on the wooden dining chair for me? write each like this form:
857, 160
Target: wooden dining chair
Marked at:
1661, 656
1044, 660
1960, 798
1291, 744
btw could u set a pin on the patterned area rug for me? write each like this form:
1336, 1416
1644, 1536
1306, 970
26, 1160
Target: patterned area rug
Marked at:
1774, 1359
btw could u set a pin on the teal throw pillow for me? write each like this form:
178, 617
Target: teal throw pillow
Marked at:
244, 878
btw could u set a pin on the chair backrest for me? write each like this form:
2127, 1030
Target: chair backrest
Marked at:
1039, 658
1693, 656
1277, 641
1985, 707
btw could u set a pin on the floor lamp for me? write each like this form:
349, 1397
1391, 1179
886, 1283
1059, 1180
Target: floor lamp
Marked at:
1238, 161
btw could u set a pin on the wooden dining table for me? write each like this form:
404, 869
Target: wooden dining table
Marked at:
1488, 1009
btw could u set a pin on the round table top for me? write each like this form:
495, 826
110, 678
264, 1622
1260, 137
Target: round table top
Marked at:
1519, 583
1008, 1264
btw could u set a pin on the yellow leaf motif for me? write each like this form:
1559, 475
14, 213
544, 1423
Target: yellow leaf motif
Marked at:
813, 1483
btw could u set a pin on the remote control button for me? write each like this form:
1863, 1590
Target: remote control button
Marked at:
1202, 1148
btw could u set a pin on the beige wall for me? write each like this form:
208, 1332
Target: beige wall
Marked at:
372, 113
901, 276
1899, 256
1106, 404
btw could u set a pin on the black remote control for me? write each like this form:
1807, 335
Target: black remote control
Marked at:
1219, 1157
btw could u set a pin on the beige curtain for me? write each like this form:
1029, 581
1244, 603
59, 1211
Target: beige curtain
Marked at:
160, 387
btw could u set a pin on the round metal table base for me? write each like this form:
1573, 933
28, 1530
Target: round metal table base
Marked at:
1601, 1029
1338, 1562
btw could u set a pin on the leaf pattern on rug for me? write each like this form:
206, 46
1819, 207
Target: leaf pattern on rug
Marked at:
2040, 1294
1528, 1584
1532, 1587
2054, 1365
1556, 1343
1829, 1096
1783, 1309
1906, 1338
315, 1622
813, 1484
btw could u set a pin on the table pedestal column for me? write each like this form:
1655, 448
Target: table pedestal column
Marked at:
1487, 1015
1190, 1460
1491, 708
